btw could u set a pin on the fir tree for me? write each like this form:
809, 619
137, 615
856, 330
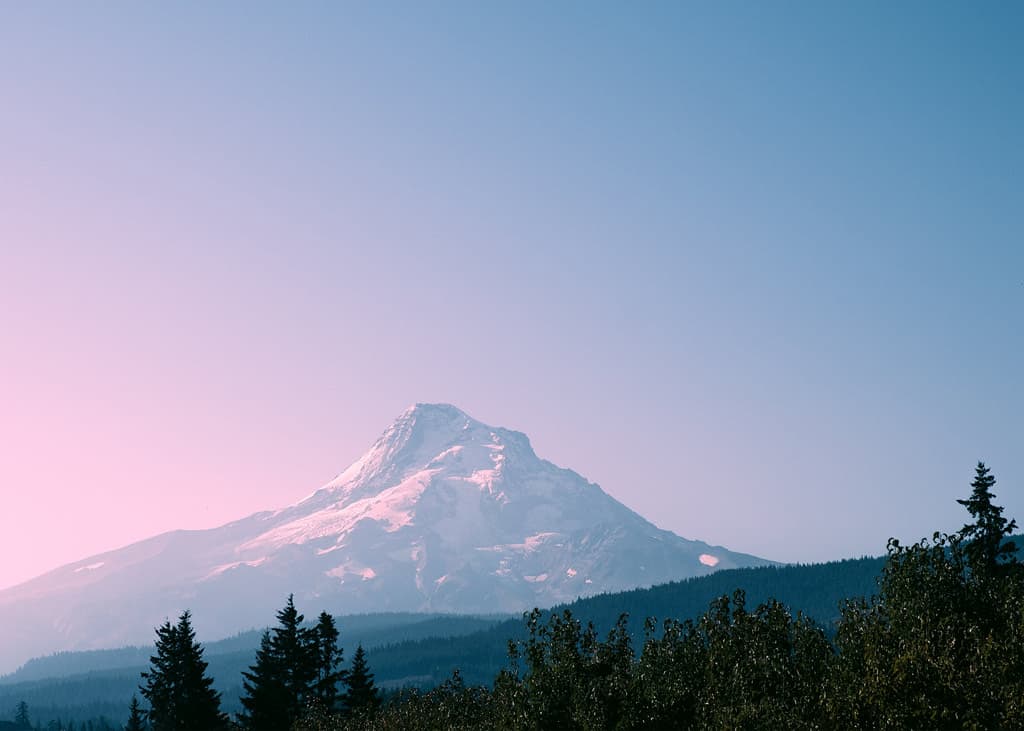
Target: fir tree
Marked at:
986, 549
21, 717
162, 672
136, 717
266, 699
280, 683
361, 695
294, 652
180, 693
328, 659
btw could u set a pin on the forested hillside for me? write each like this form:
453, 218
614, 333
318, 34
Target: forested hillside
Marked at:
83, 685
817, 590
372, 630
422, 651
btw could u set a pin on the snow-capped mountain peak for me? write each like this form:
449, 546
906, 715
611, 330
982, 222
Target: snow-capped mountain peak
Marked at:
426, 436
443, 512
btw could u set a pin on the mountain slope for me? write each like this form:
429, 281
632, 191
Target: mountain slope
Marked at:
443, 513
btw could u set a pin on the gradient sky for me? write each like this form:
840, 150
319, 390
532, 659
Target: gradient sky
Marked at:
755, 268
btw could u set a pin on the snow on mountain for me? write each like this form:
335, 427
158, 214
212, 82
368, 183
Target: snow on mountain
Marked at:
442, 513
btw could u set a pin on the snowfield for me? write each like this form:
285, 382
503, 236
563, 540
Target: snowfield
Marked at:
442, 513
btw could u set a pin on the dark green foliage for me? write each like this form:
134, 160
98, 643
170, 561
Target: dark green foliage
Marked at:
939, 647
180, 693
328, 656
284, 678
294, 651
361, 696
986, 551
668, 677
763, 669
295, 667
136, 717
266, 697
816, 590
451, 705
734, 669
571, 679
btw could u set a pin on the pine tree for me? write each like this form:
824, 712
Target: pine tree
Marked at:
328, 657
21, 717
294, 651
266, 699
180, 693
986, 550
361, 695
160, 678
136, 717
280, 683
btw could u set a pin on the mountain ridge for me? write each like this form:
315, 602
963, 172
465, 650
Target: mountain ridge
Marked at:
442, 513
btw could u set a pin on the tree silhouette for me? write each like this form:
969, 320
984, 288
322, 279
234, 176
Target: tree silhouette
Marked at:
986, 550
291, 646
180, 693
266, 699
361, 695
280, 684
21, 717
136, 717
328, 656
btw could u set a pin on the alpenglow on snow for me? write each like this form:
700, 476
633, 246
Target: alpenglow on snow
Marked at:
443, 513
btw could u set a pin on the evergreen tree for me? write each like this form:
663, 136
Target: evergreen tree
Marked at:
136, 717
266, 699
280, 684
21, 717
292, 646
328, 659
361, 695
180, 693
160, 679
986, 550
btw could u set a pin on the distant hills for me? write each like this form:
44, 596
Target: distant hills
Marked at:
422, 650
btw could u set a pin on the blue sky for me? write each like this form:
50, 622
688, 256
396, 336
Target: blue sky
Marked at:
758, 270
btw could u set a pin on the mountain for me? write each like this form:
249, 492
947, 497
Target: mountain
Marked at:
443, 513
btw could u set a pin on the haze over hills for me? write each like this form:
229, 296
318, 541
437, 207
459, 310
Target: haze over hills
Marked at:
443, 513
421, 650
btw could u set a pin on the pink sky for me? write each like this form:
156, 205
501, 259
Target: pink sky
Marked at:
767, 308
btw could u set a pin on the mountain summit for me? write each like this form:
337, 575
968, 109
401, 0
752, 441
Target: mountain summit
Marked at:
443, 512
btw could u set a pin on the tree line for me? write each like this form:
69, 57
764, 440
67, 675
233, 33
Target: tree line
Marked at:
939, 646
23, 722
296, 668
425, 652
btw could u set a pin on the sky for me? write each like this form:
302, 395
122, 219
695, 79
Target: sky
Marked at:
757, 269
